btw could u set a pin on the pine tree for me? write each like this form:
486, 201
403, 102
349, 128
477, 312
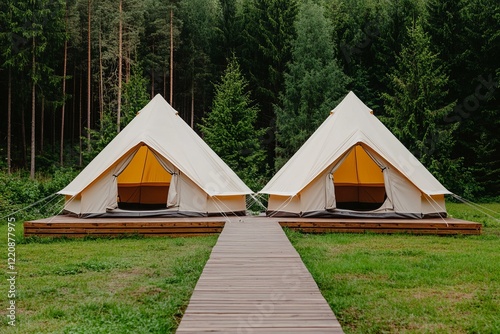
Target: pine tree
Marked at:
154, 50
393, 31
9, 47
415, 106
197, 35
314, 83
446, 32
267, 31
135, 95
38, 30
227, 32
477, 79
229, 129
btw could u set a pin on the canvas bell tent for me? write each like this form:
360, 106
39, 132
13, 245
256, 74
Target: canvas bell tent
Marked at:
156, 166
353, 166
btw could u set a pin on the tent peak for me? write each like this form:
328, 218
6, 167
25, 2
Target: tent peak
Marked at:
349, 102
158, 99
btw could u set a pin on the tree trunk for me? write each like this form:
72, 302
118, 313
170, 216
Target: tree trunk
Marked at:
192, 104
171, 56
120, 60
101, 81
80, 111
152, 83
88, 76
53, 150
33, 113
9, 123
153, 76
164, 82
42, 124
61, 156
73, 111
23, 132
128, 56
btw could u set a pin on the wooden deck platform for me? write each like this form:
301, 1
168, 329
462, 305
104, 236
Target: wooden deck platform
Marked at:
439, 226
67, 226
255, 282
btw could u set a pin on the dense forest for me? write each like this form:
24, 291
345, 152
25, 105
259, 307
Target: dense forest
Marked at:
73, 73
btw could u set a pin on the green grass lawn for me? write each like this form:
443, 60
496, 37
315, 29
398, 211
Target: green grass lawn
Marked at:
134, 285
374, 283
407, 283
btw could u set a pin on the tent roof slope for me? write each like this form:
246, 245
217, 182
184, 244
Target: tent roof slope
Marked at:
160, 127
350, 123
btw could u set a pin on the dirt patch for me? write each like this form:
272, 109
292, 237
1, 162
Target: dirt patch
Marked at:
359, 276
147, 290
430, 328
118, 281
450, 295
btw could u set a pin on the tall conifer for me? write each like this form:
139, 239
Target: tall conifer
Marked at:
230, 128
314, 83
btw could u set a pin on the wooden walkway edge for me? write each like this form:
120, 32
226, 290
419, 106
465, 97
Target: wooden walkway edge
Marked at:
434, 226
71, 227
256, 282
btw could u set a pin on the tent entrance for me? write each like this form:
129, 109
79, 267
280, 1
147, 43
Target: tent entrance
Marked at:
359, 182
144, 183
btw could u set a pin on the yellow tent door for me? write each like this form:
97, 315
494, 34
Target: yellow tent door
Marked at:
144, 183
359, 182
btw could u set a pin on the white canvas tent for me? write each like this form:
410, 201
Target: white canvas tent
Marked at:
157, 166
352, 165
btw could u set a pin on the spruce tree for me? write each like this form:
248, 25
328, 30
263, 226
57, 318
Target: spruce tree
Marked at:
267, 31
314, 83
477, 79
135, 95
229, 129
415, 104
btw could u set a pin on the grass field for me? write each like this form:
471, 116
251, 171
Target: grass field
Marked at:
374, 283
410, 284
134, 285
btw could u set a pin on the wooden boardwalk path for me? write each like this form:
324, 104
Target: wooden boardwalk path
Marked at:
255, 282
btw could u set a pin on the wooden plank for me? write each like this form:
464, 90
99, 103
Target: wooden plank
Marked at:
122, 225
65, 235
437, 226
127, 231
65, 226
365, 220
391, 231
379, 225
72, 219
255, 282
380, 230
